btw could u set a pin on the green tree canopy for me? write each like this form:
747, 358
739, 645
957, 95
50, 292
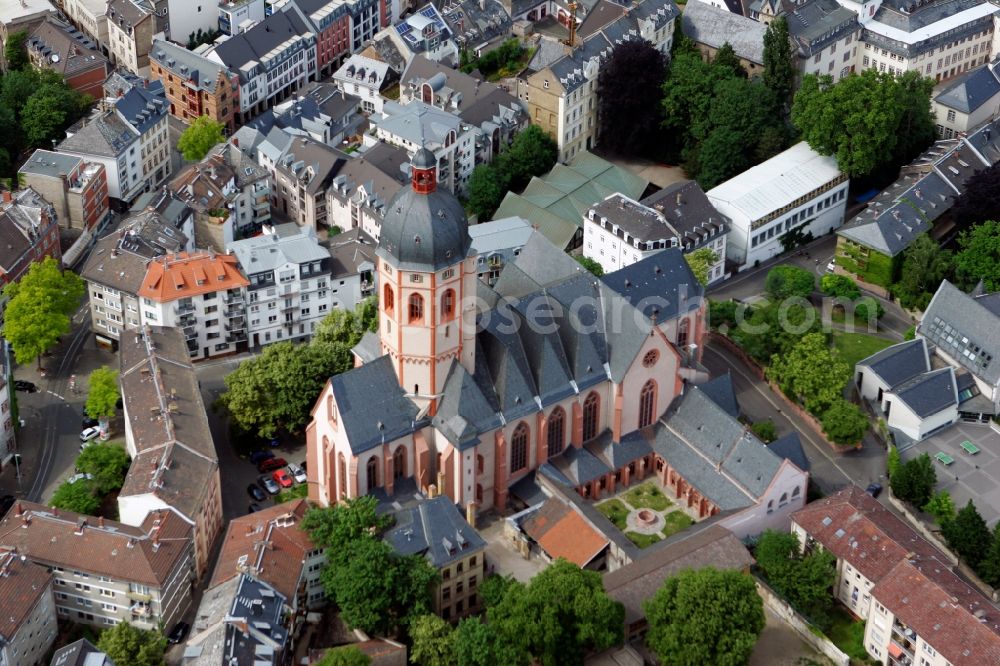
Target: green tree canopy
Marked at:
765, 430
632, 76
532, 153
989, 567
127, 644
844, 422
839, 286
591, 265
924, 265
14, 52
968, 535
810, 373
479, 644
433, 641
804, 579
103, 393
726, 57
787, 281
485, 192
941, 506
348, 655
774, 329
779, 63
80, 497
334, 527
705, 616
914, 480
979, 256
107, 463
978, 201
199, 138
39, 310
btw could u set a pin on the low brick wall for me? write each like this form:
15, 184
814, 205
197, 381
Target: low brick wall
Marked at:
800, 625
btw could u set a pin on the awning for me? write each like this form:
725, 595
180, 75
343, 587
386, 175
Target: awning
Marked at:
895, 650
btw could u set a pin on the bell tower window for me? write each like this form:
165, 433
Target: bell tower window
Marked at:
416, 314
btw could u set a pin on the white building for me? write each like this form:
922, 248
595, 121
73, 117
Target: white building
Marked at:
234, 14
91, 17
797, 191
28, 628
352, 268
968, 102
497, 243
364, 78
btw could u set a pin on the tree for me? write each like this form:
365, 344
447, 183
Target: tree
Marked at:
810, 373
892, 460
941, 507
107, 463
479, 644
914, 480
804, 579
774, 329
787, 281
924, 265
127, 644
705, 616
532, 153
989, 567
103, 394
688, 93
485, 192
726, 57
38, 312
78, 497
839, 286
968, 535
868, 309
591, 265
336, 526
979, 256
200, 137
433, 641
631, 77
560, 615
348, 655
343, 329
779, 64
977, 202
765, 431
14, 52
844, 422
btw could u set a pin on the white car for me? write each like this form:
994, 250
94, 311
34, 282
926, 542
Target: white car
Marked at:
297, 473
90, 433
79, 477
831, 267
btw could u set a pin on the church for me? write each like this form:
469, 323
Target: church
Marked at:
466, 389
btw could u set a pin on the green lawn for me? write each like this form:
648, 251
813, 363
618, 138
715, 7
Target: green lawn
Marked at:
295, 492
848, 634
675, 522
854, 347
616, 512
647, 496
642, 540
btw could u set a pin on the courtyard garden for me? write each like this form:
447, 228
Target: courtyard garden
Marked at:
645, 514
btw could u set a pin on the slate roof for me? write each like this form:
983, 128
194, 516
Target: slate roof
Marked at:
120, 258
577, 466
64, 49
311, 164
349, 251
929, 393
562, 532
144, 106
970, 90
956, 323
900, 362
661, 285
288, 244
255, 626
721, 391
24, 223
789, 448
378, 170
251, 46
474, 22
714, 27
816, 24
104, 134
435, 529
196, 69
80, 653
689, 212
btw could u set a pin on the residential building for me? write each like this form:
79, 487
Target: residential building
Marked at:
129, 140
424, 32
561, 92
76, 188
288, 290
477, 25
107, 572
710, 27
171, 208
912, 601
21, 16
195, 85
7, 432
967, 102
59, 47
342, 27
364, 185
116, 268
91, 18
202, 293
271, 546
620, 231
80, 653
236, 16
321, 112
174, 463
557, 202
29, 232
352, 268
274, 59
301, 177
436, 529
497, 243
130, 35
29, 612
365, 79
434, 413
797, 191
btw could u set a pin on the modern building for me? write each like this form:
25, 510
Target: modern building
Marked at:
365, 79
352, 268
497, 243
797, 191
59, 47
238, 15
288, 290
29, 232
967, 102
424, 32
130, 35
76, 188
710, 27
174, 463
21, 16
358, 194
436, 529
106, 572
195, 85
29, 612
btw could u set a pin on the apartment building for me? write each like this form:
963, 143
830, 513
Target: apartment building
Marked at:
424, 32
59, 47
17, 16
106, 572
195, 86
174, 463
365, 78
332, 22
29, 627
29, 232
359, 193
497, 243
301, 177
320, 111
130, 35
289, 283
91, 18
7, 433
116, 268
76, 188
145, 108
236, 15
352, 268
437, 530
200, 292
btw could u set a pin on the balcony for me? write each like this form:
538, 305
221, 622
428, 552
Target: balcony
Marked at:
184, 308
139, 597
190, 332
235, 326
140, 610
238, 336
235, 310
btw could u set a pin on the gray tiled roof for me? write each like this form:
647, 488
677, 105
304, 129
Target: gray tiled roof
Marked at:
956, 323
929, 393
269, 251
689, 211
661, 285
464, 410
201, 71
971, 90
714, 27
119, 259
616, 455
816, 24
80, 653
898, 363
720, 390
435, 529
789, 447
580, 466
349, 251
104, 134
252, 45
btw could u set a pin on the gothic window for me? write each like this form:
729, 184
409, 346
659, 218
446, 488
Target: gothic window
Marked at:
342, 472
399, 462
647, 403
557, 432
519, 448
591, 406
388, 299
372, 473
650, 359
682, 332
448, 304
416, 309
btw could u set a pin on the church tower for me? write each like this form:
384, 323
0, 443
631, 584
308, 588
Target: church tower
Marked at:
427, 284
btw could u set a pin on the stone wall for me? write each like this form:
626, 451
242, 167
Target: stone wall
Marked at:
801, 626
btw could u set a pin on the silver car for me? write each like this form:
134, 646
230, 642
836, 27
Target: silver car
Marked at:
270, 485
297, 473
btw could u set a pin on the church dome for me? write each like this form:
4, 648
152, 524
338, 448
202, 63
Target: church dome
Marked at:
424, 229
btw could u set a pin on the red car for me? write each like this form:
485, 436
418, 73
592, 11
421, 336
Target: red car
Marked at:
281, 476
271, 465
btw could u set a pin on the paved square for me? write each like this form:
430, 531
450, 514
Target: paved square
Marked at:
975, 477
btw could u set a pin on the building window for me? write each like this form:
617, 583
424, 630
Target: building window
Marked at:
372, 469
342, 472
519, 448
416, 314
399, 462
448, 304
647, 403
591, 406
682, 332
388, 299
649, 360
556, 435
951, 116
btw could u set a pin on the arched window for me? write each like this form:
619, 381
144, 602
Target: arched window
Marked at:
399, 462
331, 410
448, 304
480, 464
416, 309
388, 299
784, 499
682, 332
372, 473
591, 407
795, 493
647, 404
342, 473
770, 506
519, 448
557, 432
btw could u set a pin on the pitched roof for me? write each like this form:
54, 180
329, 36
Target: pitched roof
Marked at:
688, 210
662, 284
287, 244
958, 324
349, 251
929, 393
80, 653
970, 90
120, 258
898, 363
199, 71
23, 222
253, 46
64, 49
789, 447
721, 391
22, 586
435, 529
562, 532
104, 134
187, 274
713, 27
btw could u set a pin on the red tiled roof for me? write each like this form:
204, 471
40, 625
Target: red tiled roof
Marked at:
22, 584
182, 275
562, 532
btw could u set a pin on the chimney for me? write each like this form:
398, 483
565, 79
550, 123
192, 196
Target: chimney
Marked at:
7, 197
19, 510
678, 198
100, 521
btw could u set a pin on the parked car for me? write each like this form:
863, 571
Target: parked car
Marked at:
178, 633
27, 387
6, 502
79, 477
830, 267
255, 493
89, 434
271, 464
874, 489
270, 485
84, 445
283, 479
88, 423
258, 457
253, 507
297, 473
